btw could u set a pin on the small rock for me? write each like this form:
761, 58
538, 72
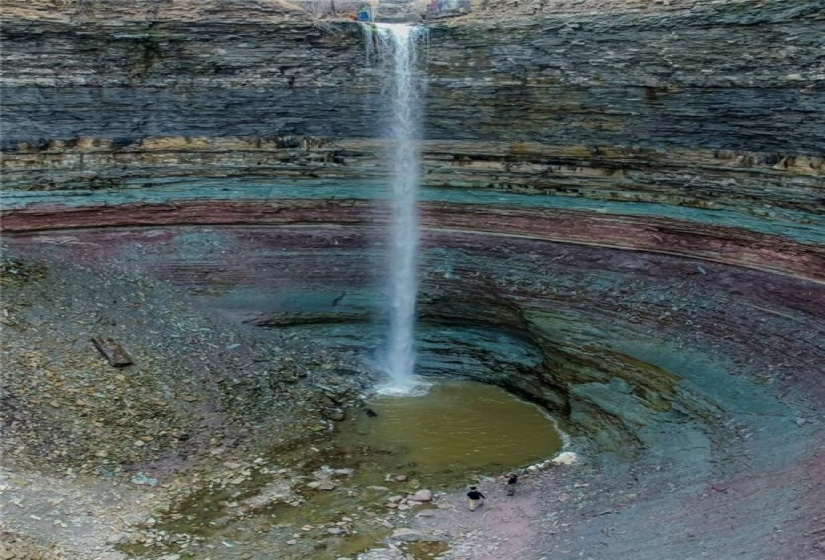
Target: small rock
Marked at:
422, 496
410, 535
400, 478
142, 479
118, 538
566, 458
335, 414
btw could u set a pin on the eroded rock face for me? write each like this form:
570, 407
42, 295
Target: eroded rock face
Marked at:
683, 116
622, 207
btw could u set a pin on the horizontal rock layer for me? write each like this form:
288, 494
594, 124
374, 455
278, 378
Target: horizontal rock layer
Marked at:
705, 241
627, 113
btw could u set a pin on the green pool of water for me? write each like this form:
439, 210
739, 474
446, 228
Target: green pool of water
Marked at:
457, 427
443, 439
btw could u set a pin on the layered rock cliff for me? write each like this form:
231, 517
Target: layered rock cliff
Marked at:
622, 202
709, 118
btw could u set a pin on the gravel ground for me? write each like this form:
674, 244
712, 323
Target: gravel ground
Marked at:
89, 449
93, 453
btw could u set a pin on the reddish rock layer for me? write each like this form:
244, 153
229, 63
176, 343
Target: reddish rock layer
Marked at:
660, 235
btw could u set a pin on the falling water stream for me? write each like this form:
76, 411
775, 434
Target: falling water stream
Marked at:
400, 42
445, 434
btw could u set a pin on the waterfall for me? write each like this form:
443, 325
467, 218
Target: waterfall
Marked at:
400, 43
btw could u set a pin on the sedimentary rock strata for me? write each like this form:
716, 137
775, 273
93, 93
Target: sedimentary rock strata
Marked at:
622, 203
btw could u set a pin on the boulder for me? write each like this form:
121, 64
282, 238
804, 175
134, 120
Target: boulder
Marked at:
566, 458
422, 496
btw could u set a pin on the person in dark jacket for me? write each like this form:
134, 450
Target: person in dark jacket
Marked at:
476, 498
511, 483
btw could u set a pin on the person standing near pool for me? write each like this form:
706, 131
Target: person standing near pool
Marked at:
510, 484
476, 498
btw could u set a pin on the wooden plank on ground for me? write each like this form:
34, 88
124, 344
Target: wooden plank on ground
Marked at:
113, 351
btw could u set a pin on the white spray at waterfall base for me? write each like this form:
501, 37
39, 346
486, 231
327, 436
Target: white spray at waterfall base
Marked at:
400, 43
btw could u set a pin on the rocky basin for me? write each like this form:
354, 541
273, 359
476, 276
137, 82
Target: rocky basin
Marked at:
622, 222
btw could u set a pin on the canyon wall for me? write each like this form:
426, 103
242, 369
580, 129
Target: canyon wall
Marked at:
622, 213
695, 128
656, 167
